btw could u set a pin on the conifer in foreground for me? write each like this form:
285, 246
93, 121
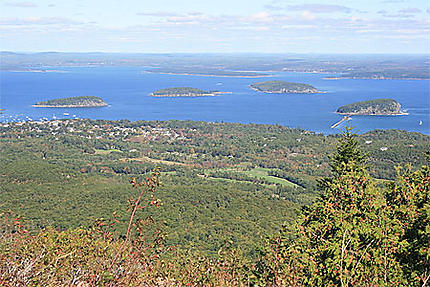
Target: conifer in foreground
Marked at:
356, 234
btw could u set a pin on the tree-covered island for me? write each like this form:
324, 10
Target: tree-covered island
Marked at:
183, 92
283, 87
378, 107
72, 102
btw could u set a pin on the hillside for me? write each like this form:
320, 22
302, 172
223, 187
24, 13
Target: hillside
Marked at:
221, 182
282, 87
328, 245
373, 107
72, 102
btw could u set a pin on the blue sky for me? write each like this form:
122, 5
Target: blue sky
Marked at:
265, 26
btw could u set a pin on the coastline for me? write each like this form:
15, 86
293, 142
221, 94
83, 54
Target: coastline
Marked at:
188, 95
292, 92
370, 78
380, 114
182, 95
69, 106
39, 71
206, 75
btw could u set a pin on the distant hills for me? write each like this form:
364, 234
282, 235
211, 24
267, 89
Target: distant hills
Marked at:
232, 65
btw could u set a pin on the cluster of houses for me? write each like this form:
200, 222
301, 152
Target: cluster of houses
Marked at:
86, 129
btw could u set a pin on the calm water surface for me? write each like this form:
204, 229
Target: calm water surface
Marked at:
127, 90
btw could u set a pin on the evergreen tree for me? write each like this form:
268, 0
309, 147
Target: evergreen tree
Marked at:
408, 204
348, 154
344, 239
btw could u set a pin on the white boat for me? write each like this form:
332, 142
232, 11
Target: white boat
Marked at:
421, 123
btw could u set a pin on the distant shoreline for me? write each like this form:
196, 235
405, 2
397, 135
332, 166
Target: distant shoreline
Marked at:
188, 95
182, 95
69, 106
379, 114
206, 75
292, 92
370, 78
39, 71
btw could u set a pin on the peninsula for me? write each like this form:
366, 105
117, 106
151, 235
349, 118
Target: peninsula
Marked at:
395, 74
282, 87
183, 92
72, 102
195, 71
378, 107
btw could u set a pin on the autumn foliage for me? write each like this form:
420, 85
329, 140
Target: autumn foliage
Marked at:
359, 233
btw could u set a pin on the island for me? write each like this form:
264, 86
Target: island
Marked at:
183, 92
72, 102
378, 107
283, 87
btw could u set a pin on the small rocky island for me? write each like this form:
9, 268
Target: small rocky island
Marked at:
72, 102
283, 87
378, 107
183, 92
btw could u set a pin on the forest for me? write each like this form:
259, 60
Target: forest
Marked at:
226, 202
371, 107
181, 91
281, 87
81, 101
402, 74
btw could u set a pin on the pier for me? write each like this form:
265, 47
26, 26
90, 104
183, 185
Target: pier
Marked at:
345, 118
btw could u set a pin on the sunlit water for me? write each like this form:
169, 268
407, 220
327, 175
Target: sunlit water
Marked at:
127, 89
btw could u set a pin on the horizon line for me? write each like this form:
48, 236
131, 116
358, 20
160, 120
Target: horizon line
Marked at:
214, 53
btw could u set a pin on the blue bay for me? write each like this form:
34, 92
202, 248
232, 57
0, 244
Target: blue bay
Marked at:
127, 89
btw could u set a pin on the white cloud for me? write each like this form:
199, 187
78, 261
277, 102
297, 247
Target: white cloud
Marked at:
400, 15
158, 14
320, 8
21, 4
261, 17
253, 28
37, 21
308, 15
160, 29
410, 10
303, 26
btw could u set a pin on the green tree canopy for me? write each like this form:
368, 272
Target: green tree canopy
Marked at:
357, 234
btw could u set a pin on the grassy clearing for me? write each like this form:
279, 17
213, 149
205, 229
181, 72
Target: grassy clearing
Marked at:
107, 151
160, 161
258, 173
263, 173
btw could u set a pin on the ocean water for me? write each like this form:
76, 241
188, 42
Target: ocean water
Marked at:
127, 89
